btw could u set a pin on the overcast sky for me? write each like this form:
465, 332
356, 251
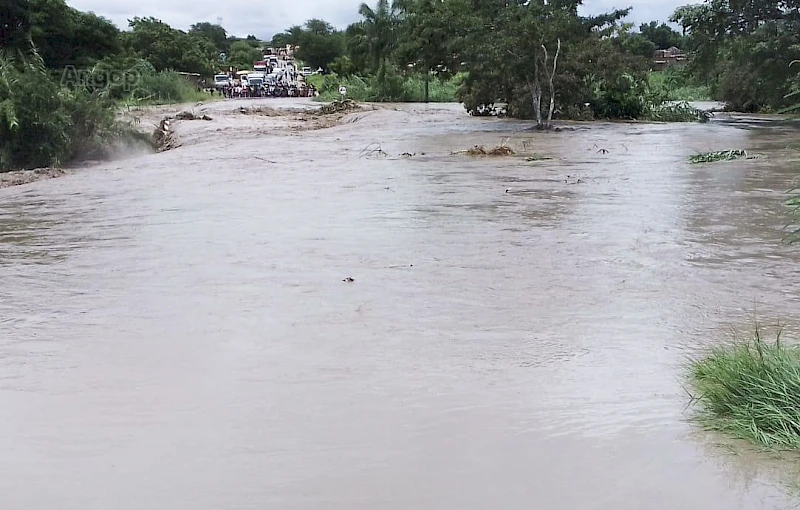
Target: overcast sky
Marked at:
265, 18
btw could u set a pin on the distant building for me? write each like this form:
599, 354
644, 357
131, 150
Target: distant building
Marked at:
663, 59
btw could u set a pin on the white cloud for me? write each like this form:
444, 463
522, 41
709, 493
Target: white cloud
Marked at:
264, 19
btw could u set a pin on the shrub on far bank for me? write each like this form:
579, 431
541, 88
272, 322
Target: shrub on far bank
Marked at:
133, 80
677, 85
387, 86
750, 390
166, 87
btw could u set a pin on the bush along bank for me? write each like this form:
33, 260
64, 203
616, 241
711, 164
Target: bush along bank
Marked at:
750, 390
387, 86
43, 124
46, 124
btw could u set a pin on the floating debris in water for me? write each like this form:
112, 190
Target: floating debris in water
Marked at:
537, 157
191, 116
480, 150
728, 155
372, 150
338, 106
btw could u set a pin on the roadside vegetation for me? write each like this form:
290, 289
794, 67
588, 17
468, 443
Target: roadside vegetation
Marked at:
677, 85
750, 390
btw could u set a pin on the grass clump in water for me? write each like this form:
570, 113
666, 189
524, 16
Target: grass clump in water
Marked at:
750, 390
715, 156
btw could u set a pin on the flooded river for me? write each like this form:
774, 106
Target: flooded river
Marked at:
175, 331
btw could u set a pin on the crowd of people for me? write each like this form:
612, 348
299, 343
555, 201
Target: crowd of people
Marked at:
240, 89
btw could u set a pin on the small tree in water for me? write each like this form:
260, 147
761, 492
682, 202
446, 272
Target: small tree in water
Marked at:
533, 55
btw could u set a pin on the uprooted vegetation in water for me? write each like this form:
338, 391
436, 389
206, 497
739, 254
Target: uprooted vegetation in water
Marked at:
480, 150
678, 112
726, 155
191, 116
338, 107
750, 390
523, 148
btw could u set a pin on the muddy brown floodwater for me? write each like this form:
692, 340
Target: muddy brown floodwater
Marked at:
175, 331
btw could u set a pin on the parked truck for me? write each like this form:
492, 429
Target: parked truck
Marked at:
255, 82
221, 81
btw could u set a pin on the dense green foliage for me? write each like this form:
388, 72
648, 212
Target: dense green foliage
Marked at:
661, 35
742, 50
65, 36
751, 390
42, 123
677, 85
539, 59
166, 48
15, 26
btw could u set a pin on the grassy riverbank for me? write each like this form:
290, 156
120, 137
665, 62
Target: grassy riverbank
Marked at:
750, 390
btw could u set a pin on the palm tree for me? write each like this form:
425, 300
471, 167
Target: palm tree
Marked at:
376, 32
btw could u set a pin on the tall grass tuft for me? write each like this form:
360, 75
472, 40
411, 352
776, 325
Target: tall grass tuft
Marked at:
676, 85
750, 390
165, 87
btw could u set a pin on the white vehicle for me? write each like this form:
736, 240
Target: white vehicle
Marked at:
307, 71
221, 80
256, 79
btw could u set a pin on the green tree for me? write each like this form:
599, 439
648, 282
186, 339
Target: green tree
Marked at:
662, 36
292, 36
343, 66
15, 22
65, 36
242, 55
167, 48
539, 57
320, 43
426, 39
212, 32
371, 41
